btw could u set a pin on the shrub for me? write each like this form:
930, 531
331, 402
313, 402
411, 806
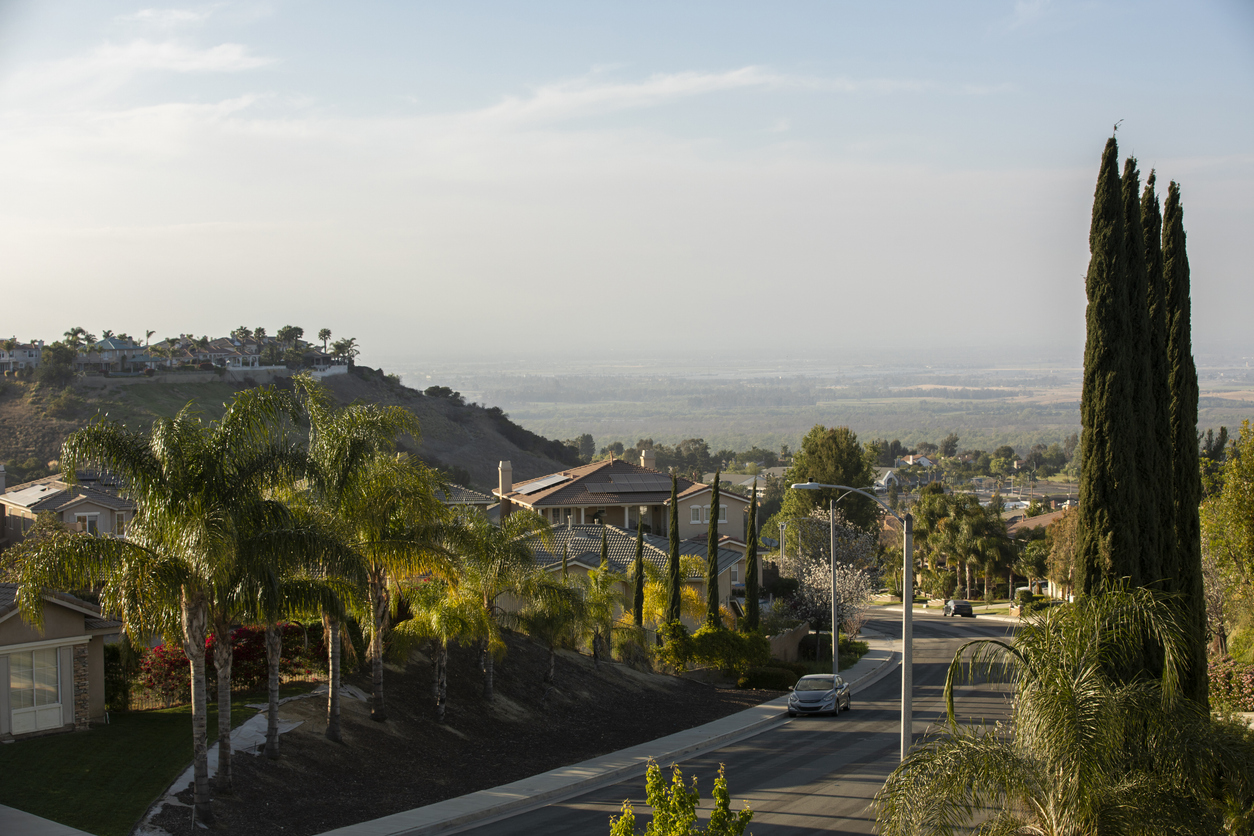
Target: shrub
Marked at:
730, 651
1024, 597
164, 671
1231, 684
798, 668
121, 665
676, 649
768, 678
781, 587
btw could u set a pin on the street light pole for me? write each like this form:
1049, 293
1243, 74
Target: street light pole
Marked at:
907, 610
835, 600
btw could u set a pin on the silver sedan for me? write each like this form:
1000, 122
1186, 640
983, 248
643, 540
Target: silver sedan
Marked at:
819, 693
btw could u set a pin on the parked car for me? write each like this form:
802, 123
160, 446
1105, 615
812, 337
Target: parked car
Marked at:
956, 607
819, 693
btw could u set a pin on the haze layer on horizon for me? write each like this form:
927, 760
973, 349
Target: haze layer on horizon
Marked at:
569, 180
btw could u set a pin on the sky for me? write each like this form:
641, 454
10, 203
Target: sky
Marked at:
587, 179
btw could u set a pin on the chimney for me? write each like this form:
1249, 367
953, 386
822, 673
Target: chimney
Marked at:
505, 486
648, 459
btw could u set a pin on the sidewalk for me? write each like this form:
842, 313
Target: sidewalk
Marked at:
28, 824
878, 662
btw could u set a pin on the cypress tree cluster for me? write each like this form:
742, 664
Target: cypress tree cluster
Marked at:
1139, 480
711, 561
673, 579
752, 616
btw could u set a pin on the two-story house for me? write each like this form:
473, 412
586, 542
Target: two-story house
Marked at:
91, 504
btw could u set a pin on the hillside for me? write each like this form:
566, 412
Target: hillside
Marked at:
466, 440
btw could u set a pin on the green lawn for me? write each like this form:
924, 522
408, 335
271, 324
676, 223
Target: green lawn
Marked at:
104, 779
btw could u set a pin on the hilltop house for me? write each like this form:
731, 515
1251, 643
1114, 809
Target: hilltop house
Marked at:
23, 355
91, 504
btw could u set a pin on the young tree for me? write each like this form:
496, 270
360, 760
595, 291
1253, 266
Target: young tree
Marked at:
674, 808
711, 562
637, 599
752, 593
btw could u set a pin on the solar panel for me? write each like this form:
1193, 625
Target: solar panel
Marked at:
541, 484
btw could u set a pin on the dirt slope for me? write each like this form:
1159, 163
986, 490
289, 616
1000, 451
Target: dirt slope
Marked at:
409, 761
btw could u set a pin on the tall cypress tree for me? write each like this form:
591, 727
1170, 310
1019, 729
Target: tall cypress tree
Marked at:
1149, 449
1186, 478
1151, 233
711, 561
605, 549
1108, 515
637, 601
673, 578
751, 564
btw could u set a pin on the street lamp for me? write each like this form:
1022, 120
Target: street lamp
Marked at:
907, 609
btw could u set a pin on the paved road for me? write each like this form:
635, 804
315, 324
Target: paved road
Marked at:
812, 774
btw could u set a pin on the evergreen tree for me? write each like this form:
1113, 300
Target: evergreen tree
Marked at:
1149, 448
605, 549
1151, 233
565, 564
673, 579
711, 561
1108, 516
637, 601
751, 564
1186, 478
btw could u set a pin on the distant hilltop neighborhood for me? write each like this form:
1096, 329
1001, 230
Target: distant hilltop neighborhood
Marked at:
79, 351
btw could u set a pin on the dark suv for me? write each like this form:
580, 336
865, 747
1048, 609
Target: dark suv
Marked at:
956, 607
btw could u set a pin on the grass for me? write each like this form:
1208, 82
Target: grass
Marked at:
103, 780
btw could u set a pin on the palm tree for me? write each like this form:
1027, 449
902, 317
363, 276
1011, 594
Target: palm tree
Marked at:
148, 337
551, 616
1086, 751
9, 346
495, 560
199, 513
442, 619
385, 506
602, 597
324, 334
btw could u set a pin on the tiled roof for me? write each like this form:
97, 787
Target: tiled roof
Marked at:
459, 495
574, 490
93, 621
52, 492
583, 545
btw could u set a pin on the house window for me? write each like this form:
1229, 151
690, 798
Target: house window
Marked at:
34, 690
696, 514
119, 524
735, 576
722, 515
89, 522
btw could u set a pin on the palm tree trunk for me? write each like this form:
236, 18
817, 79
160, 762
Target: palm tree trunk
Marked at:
441, 680
487, 671
967, 590
379, 599
222, 664
274, 650
195, 624
333, 669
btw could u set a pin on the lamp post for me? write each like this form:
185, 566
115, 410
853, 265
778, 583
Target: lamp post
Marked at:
907, 609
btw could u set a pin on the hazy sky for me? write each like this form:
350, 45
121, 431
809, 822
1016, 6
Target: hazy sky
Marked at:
501, 178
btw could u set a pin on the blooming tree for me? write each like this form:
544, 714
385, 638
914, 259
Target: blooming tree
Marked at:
856, 552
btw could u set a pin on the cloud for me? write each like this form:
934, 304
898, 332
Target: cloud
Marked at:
1026, 12
142, 55
167, 19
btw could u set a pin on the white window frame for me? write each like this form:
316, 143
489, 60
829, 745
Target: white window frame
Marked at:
119, 524
722, 513
92, 522
38, 716
735, 574
696, 515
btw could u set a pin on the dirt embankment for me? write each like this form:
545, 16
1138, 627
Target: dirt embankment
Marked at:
410, 761
34, 423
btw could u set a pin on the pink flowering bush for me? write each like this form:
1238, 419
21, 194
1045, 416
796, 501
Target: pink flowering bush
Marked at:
1231, 685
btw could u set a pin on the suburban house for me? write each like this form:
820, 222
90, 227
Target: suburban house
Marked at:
581, 545
909, 461
51, 679
617, 492
91, 504
455, 495
885, 478
23, 355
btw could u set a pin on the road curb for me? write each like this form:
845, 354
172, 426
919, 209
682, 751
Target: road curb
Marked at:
567, 781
